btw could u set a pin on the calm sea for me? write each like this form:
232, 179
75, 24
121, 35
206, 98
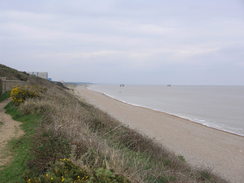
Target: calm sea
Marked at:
220, 107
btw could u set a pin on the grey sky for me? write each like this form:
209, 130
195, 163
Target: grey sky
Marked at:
124, 41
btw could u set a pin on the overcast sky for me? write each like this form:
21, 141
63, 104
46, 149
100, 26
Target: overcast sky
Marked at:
126, 41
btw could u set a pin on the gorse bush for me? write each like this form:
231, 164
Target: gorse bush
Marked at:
62, 171
20, 93
67, 172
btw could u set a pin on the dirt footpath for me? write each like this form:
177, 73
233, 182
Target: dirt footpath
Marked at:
9, 129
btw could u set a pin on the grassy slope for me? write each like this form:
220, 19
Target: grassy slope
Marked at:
20, 147
97, 141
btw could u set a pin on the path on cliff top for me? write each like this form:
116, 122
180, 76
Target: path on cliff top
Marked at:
9, 129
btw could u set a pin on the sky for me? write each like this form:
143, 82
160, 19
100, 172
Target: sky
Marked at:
185, 42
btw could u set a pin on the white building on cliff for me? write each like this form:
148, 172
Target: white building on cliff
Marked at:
43, 75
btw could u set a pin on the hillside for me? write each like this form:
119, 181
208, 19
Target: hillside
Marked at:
12, 74
68, 140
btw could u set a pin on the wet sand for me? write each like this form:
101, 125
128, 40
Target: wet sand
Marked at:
201, 146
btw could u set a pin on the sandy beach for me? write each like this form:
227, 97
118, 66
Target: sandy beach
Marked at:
201, 146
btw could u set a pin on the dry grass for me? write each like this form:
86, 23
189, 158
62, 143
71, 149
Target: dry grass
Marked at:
100, 141
94, 139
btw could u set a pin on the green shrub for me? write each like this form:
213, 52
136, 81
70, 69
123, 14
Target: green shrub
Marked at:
180, 157
204, 175
65, 171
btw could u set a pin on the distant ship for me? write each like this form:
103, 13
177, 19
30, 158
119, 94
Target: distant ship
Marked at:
168, 85
122, 85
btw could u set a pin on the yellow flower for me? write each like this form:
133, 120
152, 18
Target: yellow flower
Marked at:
62, 179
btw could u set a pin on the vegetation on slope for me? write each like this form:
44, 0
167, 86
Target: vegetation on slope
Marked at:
12, 74
97, 146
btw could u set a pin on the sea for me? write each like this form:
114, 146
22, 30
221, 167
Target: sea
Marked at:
220, 107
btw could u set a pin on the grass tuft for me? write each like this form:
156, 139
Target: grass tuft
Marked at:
180, 157
205, 175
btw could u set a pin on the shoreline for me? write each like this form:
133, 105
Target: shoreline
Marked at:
202, 146
168, 113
